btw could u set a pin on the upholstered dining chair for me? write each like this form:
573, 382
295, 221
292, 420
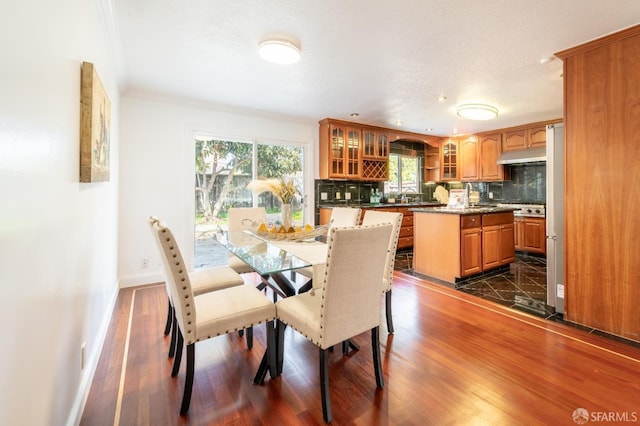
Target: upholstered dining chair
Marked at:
240, 219
340, 216
372, 217
346, 304
202, 281
210, 314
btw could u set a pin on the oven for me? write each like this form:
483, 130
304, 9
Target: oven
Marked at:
526, 210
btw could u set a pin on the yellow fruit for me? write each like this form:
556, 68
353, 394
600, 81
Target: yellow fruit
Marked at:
273, 229
263, 227
308, 227
282, 230
290, 230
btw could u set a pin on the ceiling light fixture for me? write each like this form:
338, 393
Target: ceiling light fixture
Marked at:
279, 51
477, 111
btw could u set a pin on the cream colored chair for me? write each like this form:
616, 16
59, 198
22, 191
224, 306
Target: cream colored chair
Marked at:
211, 314
202, 281
340, 216
240, 219
346, 304
372, 217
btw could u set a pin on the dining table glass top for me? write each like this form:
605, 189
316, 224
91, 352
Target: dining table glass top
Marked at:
265, 257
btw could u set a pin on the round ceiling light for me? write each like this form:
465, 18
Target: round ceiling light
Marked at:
279, 51
477, 111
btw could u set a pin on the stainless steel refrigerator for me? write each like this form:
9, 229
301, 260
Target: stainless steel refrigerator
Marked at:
555, 216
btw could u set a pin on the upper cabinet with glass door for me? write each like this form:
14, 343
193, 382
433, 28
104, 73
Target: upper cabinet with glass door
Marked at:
340, 151
449, 162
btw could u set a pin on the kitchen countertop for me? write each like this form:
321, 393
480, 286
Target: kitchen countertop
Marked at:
466, 211
368, 205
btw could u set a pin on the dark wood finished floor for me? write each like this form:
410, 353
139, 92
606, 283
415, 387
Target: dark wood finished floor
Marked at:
454, 359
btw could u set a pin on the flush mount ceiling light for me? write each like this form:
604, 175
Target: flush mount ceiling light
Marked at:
279, 51
477, 111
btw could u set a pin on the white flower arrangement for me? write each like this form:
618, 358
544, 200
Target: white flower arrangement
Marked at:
284, 190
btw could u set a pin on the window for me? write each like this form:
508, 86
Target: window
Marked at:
404, 175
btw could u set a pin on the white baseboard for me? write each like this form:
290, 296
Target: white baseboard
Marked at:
141, 279
91, 364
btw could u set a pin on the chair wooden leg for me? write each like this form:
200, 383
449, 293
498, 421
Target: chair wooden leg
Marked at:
188, 381
170, 314
324, 385
178, 357
272, 348
249, 337
174, 336
375, 347
388, 309
280, 345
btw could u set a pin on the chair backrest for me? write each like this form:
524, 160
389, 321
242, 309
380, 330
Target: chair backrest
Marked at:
237, 216
152, 221
355, 259
345, 216
372, 217
177, 276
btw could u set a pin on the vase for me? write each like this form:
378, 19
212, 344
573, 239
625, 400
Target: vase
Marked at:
287, 216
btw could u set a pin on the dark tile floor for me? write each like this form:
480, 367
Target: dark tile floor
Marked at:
521, 285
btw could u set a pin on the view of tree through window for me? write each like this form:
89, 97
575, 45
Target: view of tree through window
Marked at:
224, 168
404, 175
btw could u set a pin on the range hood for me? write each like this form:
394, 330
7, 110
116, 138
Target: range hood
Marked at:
522, 156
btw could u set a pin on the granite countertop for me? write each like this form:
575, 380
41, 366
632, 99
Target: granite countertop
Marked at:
466, 211
369, 205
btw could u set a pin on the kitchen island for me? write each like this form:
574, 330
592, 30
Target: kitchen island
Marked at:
450, 244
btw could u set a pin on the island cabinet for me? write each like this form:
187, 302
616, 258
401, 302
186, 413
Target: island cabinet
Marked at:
531, 234
450, 246
498, 247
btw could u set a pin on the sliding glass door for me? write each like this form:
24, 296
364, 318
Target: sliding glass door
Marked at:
222, 171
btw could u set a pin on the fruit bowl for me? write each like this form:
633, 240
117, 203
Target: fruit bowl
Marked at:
278, 233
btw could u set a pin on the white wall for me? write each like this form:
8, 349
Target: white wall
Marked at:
58, 237
157, 169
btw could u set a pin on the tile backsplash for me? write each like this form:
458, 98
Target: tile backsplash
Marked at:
528, 184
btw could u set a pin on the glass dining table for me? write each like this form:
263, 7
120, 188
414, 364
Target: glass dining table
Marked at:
271, 259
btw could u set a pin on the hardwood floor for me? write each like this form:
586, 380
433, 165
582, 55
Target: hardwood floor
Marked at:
454, 359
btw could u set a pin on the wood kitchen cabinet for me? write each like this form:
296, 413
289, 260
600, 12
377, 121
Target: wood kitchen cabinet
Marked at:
469, 158
431, 163
530, 234
340, 150
479, 158
524, 138
490, 148
449, 160
353, 151
498, 247
470, 245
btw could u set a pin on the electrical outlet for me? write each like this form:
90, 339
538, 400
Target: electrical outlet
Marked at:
145, 263
83, 351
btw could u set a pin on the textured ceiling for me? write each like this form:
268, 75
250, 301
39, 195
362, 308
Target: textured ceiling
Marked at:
386, 60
